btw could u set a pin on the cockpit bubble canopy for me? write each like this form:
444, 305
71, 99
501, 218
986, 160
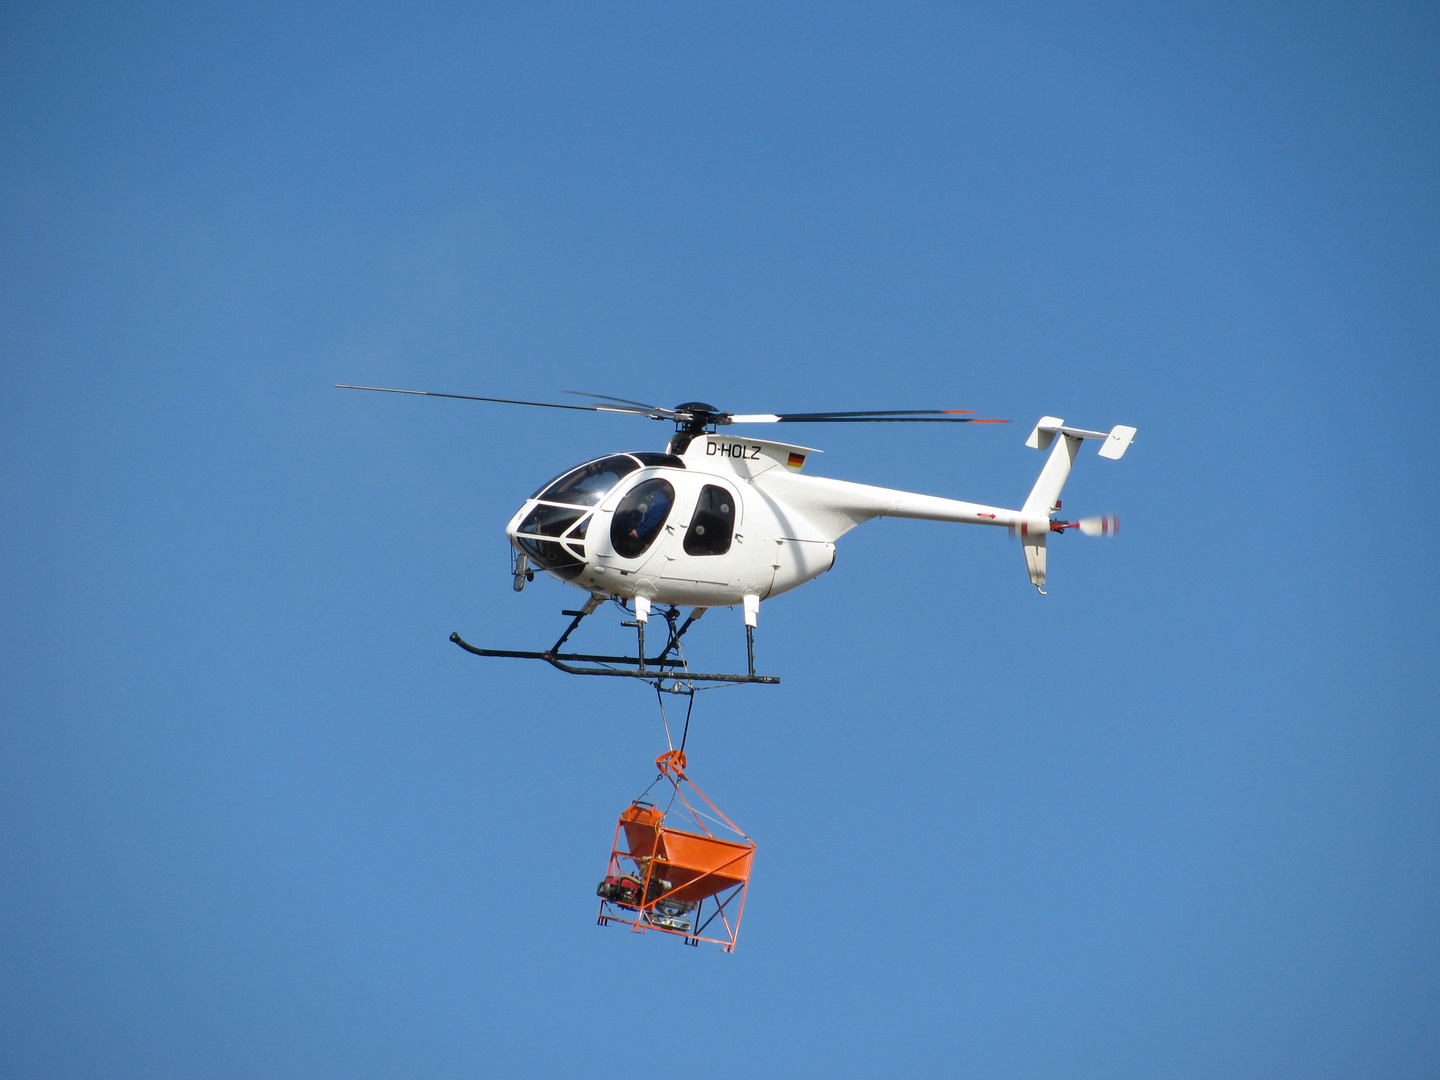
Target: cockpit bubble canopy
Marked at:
588, 484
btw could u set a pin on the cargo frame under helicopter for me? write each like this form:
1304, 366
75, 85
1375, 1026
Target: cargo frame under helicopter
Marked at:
677, 870
646, 920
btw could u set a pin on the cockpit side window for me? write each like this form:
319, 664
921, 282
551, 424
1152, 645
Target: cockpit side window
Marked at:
588, 484
549, 520
552, 556
713, 524
640, 517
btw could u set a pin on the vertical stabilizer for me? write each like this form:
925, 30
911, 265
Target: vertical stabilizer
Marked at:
1034, 523
1044, 432
1046, 492
1035, 559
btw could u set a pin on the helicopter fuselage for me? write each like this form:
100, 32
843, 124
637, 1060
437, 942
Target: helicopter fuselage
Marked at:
729, 518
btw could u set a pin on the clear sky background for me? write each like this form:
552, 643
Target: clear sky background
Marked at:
258, 818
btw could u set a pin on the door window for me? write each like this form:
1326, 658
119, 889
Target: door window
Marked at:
640, 517
714, 522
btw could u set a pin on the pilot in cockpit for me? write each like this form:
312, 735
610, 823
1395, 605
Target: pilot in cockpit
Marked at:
644, 518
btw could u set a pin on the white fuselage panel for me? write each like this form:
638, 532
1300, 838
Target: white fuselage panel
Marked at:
783, 525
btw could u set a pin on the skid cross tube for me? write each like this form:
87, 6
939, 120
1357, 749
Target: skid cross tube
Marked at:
652, 669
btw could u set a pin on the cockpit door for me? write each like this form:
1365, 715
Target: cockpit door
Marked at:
631, 535
640, 517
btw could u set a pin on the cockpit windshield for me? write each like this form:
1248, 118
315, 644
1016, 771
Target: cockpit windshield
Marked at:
588, 484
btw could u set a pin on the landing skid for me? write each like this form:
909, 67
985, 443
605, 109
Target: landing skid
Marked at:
668, 666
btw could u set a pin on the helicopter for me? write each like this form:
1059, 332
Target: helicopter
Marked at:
720, 520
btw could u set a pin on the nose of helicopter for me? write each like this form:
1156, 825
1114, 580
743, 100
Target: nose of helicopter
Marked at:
551, 537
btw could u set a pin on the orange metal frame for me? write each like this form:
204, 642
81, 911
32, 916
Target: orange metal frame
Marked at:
694, 866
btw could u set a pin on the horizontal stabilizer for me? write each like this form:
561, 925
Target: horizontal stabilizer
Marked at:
1118, 442
1114, 444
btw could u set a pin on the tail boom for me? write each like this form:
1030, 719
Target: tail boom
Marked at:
823, 508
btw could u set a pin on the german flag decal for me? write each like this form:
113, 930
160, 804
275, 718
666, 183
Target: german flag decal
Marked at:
796, 460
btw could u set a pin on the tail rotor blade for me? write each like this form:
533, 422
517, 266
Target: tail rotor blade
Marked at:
1104, 525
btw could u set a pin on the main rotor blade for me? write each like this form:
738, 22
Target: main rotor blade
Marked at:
656, 412
883, 412
501, 401
860, 416
892, 416
636, 410
657, 409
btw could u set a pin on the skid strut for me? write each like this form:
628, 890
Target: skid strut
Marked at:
668, 665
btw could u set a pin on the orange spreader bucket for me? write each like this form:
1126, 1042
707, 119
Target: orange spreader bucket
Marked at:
681, 881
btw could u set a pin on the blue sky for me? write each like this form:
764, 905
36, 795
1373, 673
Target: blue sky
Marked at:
259, 818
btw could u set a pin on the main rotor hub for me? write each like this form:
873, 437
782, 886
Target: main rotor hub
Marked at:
699, 418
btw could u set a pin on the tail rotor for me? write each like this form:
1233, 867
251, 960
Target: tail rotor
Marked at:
1104, 525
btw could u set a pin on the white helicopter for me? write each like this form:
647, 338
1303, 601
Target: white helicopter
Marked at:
719, 520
